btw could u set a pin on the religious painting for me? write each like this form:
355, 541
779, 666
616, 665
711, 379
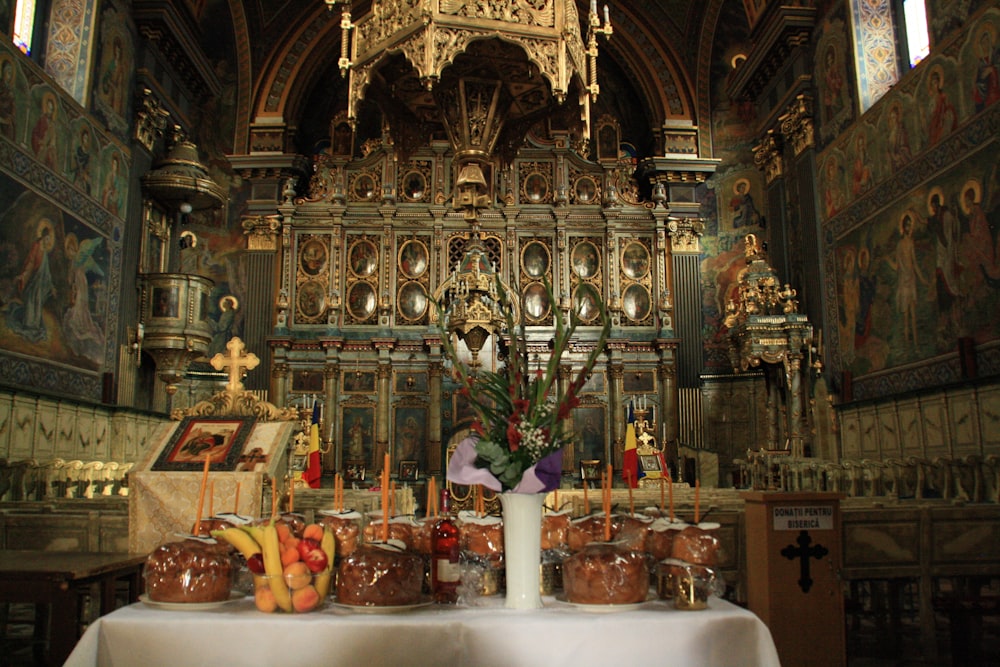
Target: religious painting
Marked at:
410, 435
595, 383
362, 258
413, 258
635, 260
354, 470
358, 433
650, 464
359, 382
307, 382
586, 303
536, 188
409, 471
591, 434
166, 302
536, 303
535, 259
590, 470
586, 260
638, 382
56, 305
411, 382
313, 256
361, 301
412, 302
364, 187
310, 300
221, 439
585, 190
414, 186
636, 303
112, 78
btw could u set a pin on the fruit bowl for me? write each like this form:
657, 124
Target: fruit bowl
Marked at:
294, 592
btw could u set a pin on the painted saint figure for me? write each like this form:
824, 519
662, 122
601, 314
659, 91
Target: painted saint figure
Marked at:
35, 287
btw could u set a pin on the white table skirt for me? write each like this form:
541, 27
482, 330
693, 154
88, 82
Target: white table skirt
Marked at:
484, 636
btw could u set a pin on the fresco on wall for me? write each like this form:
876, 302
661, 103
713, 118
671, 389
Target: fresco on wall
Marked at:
834, 77
53, 282
946, 16
12, 92
112, 76
916, 247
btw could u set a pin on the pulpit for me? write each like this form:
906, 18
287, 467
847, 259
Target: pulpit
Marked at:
793, 555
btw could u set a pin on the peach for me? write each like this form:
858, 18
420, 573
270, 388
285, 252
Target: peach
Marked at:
297, 575
263, 597
305, 599
313, 531
289, 556
284, 532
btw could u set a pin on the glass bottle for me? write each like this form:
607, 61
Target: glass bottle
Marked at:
445, 568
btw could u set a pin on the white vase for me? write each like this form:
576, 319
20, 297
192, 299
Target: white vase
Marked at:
522, 543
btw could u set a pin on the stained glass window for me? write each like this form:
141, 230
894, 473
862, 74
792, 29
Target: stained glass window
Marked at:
24, 25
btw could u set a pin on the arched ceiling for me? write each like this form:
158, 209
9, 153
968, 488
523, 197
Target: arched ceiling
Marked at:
648, 69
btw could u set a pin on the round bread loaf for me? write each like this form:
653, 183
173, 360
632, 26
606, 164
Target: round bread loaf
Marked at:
189, 571
606, 573
380, 575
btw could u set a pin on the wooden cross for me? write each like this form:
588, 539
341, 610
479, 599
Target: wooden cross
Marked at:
804, 552
236, 361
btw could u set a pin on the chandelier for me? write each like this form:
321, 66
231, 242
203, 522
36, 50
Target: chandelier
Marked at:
486, 71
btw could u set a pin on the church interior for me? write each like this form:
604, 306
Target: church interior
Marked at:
776, 225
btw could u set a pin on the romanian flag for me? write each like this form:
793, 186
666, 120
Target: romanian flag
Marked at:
313, 470
630, 460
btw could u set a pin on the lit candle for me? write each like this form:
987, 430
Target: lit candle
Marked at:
385, 497
201, 496
593, 6
236, 499
697, 500
607, 15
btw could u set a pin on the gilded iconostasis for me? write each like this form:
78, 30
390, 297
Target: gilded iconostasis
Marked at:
363, 229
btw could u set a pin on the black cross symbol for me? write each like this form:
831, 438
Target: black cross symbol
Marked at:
803, 552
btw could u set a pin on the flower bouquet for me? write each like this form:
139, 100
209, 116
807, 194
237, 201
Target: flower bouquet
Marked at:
520, 415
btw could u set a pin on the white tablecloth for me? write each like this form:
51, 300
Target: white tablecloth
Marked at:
482, 636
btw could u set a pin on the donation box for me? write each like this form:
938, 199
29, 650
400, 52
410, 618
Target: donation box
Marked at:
793, 551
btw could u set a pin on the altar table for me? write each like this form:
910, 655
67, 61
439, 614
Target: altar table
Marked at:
236, 633
59, 580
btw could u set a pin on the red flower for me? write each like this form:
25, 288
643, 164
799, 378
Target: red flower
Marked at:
513, 435
477, 426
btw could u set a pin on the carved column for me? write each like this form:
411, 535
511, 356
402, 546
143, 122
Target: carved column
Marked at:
569, 452
767, 156
793, 375
797, 125
666, 373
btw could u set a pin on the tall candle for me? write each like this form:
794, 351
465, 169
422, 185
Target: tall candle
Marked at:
236, 499
385, 497
291, 493
670, 484
201, 496
274, 498
586, 499
555, 500
697, 500
631, 502
607, 505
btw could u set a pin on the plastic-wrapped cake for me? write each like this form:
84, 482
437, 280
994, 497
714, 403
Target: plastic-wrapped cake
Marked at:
606, 573
380, 575
192, 570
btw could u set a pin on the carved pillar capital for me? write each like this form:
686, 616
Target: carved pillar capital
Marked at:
261, 231
767, 156
797, 124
